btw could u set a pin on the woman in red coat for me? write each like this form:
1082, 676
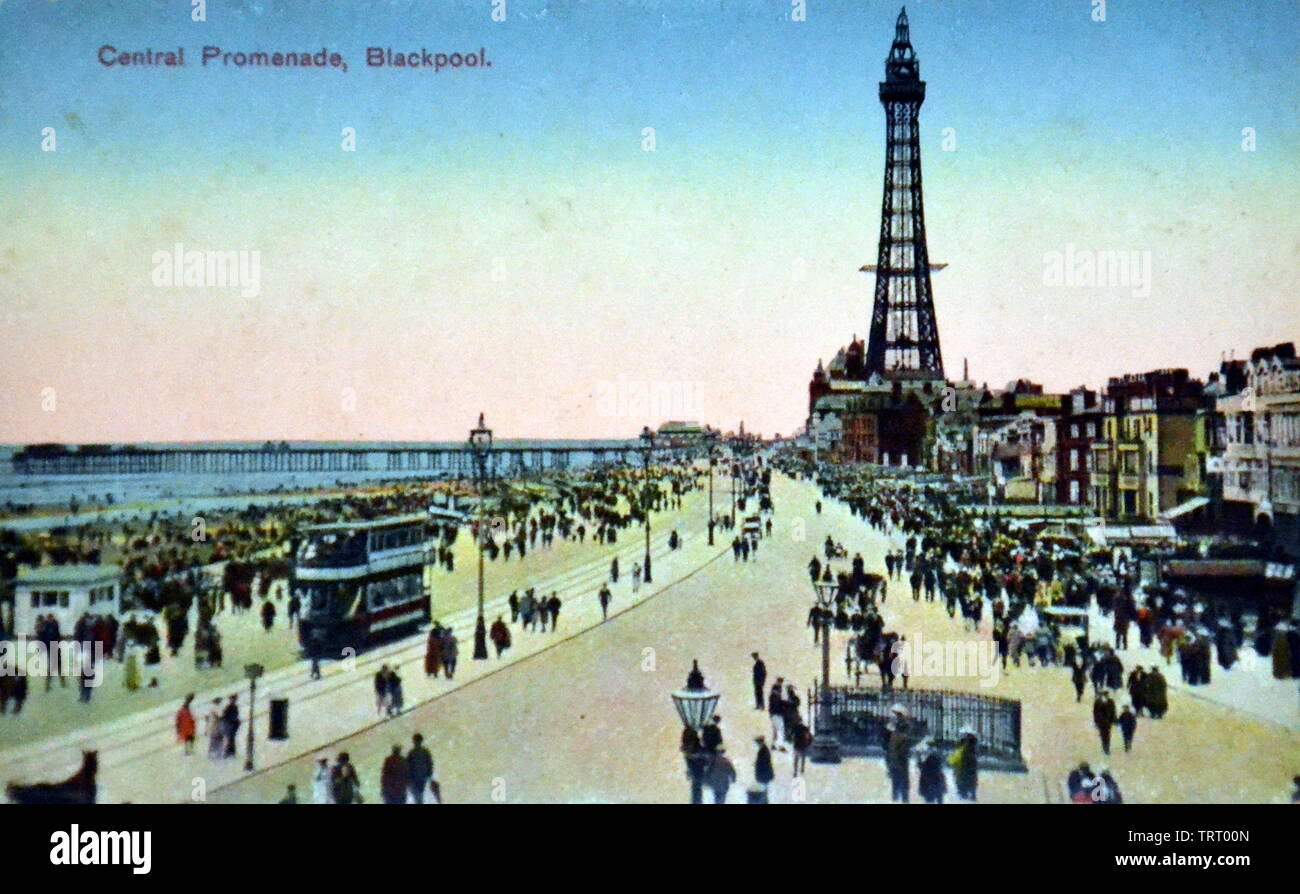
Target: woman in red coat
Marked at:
433, 652
185, 725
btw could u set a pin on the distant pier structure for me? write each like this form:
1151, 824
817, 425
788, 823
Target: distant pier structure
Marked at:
439, 459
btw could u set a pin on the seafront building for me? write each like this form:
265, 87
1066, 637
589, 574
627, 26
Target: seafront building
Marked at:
1261, 449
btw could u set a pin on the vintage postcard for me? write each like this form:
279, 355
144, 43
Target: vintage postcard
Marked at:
649, 402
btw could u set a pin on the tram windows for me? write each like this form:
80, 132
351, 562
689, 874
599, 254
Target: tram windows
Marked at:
393, 590
397, 538
319, 597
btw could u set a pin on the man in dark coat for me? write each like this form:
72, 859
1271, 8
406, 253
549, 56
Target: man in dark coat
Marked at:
931, 782
1127, 726
720, 776
1137, 690
230, 726
763, 773
711, 735
897, 755
1114, 671
394, 779
500, 635
419, 767
1156, 697
776, 710
1103, 715
697, 763
760, 679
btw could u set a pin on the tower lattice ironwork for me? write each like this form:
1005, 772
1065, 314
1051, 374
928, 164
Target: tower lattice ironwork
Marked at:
904, 334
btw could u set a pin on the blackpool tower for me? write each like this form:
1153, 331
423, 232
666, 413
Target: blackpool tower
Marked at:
904, 337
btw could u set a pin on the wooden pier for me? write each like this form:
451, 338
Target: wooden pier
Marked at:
442, 460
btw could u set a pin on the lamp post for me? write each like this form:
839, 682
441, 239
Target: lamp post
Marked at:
480, 445
252, 672
735, 472
647, 447
695, 704
712, 457
825, 747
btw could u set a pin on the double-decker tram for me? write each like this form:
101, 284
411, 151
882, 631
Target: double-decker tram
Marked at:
361, 582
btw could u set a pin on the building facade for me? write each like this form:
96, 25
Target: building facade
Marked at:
1261, 449
1146, 459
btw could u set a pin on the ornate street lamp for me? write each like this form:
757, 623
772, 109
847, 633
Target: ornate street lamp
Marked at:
695, 703
480, 446
825, 747
647, 448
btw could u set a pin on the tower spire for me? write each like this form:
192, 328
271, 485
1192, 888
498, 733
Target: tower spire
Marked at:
904, 336
902, 48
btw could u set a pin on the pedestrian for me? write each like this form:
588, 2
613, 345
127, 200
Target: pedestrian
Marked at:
131, 674
214, 730
697, 763
1155, 692
721, 774
419, 768
711, 734
395, 697
268, 615
185, 726
450, 653
315, 648
500, 635
1079, 678
394, 780
230, 726
433, 651
1137, 690
290, 795
964, 761
636, 577
295, 609
776, 710
381, 690
1103, 716
801, 739
897, 755
613, 570
763, 773
604, 601
320, 783
345, 785
930, 783
1128, 726
759, 675
554, 604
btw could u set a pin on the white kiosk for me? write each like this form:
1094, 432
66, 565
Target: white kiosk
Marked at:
66, 592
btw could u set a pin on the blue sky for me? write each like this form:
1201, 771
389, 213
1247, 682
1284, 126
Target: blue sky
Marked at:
1122, 134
